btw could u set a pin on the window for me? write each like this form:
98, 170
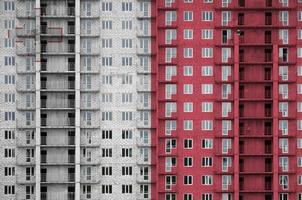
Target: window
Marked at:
206, 71
106, 189
207, 34
126, 61
226, 18
126, 171
206, 162
206, 180
188, 16
188, 107
299, 16
283, 181
207, 143
299, 161
188, 196
9, 135
206, 196
9, 79
299, 143
107, 25
9, 116
106, 171
106, 6
107, 43
207, 107
9, 42
283, 17
126, 97
126, 116
126, 79
207, 89
126, 134
206, 125
170, 108
126, 189
188, 143
188, 70
299, 34
107, 61
106, 134
188, 89
299, 70
106, 98
207, 52
126, 25
188, 161
188, 124
299, 52
188, 52
188, 34
9, 24
106, 153
126, 43
9, 5
188, 180
9, 60
107, 116
170, 34
9, 98
9, 171
207, 16
9, 153
126, 6
126, 152
9, 189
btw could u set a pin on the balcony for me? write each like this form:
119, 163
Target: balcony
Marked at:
24, 179
21, 32
53, 68
57, 86
22, 50
67, 12
54, 159
57, 104
24, 161
59, 49
57, 195
66, 122
51, 31
51, 178
21, 12
59, 141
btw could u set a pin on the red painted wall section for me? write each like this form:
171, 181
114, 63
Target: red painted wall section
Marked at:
255, 134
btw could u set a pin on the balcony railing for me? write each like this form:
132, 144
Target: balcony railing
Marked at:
48, 12
57, 195
67, 122
53, 159
51, 30
68, 103
57, 49
59, 85
60, 178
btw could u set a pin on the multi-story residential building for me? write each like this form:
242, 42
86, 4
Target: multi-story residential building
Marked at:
151, 100
228, 89
76, 100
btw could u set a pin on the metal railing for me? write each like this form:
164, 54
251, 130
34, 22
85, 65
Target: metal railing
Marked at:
67, 122
63, 48
70, 11
66, 103
60, 85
